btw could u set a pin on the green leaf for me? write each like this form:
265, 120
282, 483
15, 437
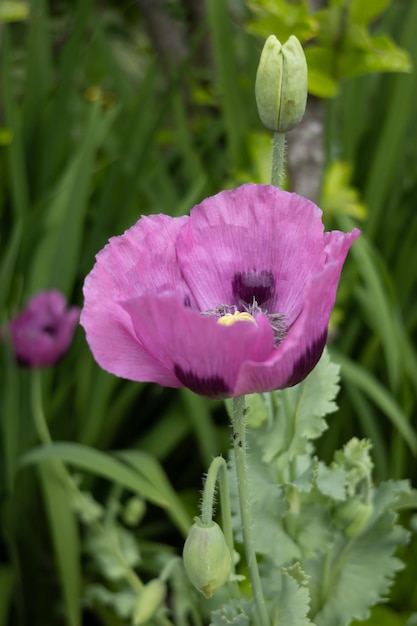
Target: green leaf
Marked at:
331, 481
281, 19
152, 471
65, 538
338, 196
114, 550
123, 602
98, 463
363, 12
353, 574
292, 599
373, 54
299, 414
384, 616
271, 539
56, 258
321, 81
139, 472
355, 459
6, 593
13, 11
234, 613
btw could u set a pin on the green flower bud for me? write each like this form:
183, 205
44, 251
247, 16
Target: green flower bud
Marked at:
354, 516
134, 510
281, 84
149, 600
207, 559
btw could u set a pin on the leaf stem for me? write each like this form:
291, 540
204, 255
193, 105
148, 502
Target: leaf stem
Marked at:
278, 159
239, 444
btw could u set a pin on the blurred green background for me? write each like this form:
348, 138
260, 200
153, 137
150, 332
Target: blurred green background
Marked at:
112, 110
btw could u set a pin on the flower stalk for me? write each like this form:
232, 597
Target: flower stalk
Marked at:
218, 471
239, 444
278, 159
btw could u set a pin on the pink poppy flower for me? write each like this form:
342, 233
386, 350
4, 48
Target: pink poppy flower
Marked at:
43, 331
234, 299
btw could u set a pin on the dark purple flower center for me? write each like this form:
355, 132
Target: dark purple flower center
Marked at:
253, 286
49, 329
254, 292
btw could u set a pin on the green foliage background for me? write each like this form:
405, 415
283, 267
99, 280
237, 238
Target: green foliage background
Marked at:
102, 121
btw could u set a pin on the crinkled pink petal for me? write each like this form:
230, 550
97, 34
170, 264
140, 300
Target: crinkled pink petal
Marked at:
140, 261
204, 355
304, 344
254, 228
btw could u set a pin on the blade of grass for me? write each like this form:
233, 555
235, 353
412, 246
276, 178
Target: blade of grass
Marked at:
375, 391
100, 464
102, 388
147, 465
6, 592
39, 75
198, 412
57, 257
376, 304
155, 441
9, 422
65, 540
56, 140
8, 262
399, 110
227, 66
15, 150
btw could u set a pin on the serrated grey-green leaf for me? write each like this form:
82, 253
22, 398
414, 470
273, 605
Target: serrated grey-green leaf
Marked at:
281, 84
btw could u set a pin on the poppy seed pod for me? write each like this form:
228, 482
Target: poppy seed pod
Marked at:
207, 559
281, 84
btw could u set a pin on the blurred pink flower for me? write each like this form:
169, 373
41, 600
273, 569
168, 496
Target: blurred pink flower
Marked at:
162, 302
43, 331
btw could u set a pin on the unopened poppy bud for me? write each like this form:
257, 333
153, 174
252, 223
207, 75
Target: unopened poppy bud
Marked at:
355, 516
149, 600
281, 84
207, 559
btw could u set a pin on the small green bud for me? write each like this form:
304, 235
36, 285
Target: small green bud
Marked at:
281, 84
149, 600
354, 516
207, 559
134, 510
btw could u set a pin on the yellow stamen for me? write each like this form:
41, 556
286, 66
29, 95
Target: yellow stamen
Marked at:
229, 319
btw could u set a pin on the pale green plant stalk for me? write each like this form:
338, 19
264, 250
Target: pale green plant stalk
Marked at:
239, 444
278, 159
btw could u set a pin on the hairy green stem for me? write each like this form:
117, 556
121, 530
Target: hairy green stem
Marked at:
239, 443
278, 159
218, 471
